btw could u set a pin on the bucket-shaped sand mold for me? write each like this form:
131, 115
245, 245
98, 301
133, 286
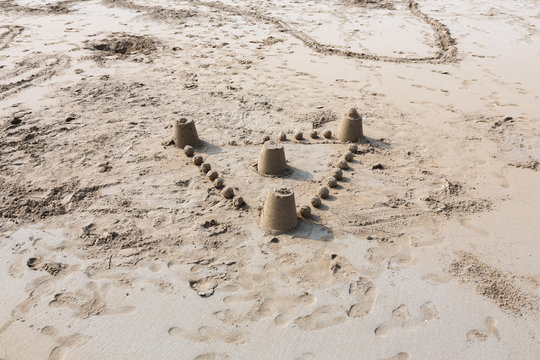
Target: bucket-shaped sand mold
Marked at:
279, 211
185, 133
351, 126
272, 159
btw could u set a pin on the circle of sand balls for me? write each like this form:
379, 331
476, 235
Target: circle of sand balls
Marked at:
299, 137
325, 137
218, 182
185, 132
332, 181
336, 174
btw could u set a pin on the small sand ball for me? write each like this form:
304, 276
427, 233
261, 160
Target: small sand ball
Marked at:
298, 135
331, 182
205, 167
343, 165
282, 136
238, 201
337, 174
348, 156
353, 148
316, 201
305, 211
314, 134
228, 192
324, 192
265, 138
212, 175
327, 134
188, 150
219, 183
198, 160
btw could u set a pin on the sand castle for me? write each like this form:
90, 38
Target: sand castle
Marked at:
185, 133
279, 212
272, 159
351, 126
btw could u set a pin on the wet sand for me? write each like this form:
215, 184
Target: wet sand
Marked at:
115, 245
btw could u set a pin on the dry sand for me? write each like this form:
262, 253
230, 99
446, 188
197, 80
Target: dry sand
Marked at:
114, 245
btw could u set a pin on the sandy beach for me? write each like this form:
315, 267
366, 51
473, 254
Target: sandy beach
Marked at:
114, 244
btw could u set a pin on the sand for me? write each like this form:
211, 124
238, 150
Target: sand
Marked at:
114, 244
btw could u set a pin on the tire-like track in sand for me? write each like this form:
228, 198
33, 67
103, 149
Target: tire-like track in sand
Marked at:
30, 71
10, 33
61, 7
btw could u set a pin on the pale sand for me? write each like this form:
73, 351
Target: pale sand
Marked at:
115, 246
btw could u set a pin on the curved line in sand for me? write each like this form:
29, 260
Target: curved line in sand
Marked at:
446, 44
447, 52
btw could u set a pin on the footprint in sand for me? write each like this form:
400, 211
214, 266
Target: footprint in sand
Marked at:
365, 293
489, 328
155, 267
321, 318
399, 356
436, 278
204, 287
49, 331
60, 351
212, 356
89, 302
210, 335
281, 308
393, 255
401, 318
305, 356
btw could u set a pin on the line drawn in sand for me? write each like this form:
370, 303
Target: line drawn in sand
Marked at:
445, 43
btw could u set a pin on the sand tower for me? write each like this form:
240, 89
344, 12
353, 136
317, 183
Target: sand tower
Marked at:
185, 133
272, 159
279, 212
351, 126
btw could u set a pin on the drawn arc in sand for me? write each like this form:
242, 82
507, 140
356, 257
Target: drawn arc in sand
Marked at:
446, 44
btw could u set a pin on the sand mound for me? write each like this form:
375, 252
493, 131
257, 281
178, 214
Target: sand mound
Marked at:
125, 44
494, 284
373, 4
